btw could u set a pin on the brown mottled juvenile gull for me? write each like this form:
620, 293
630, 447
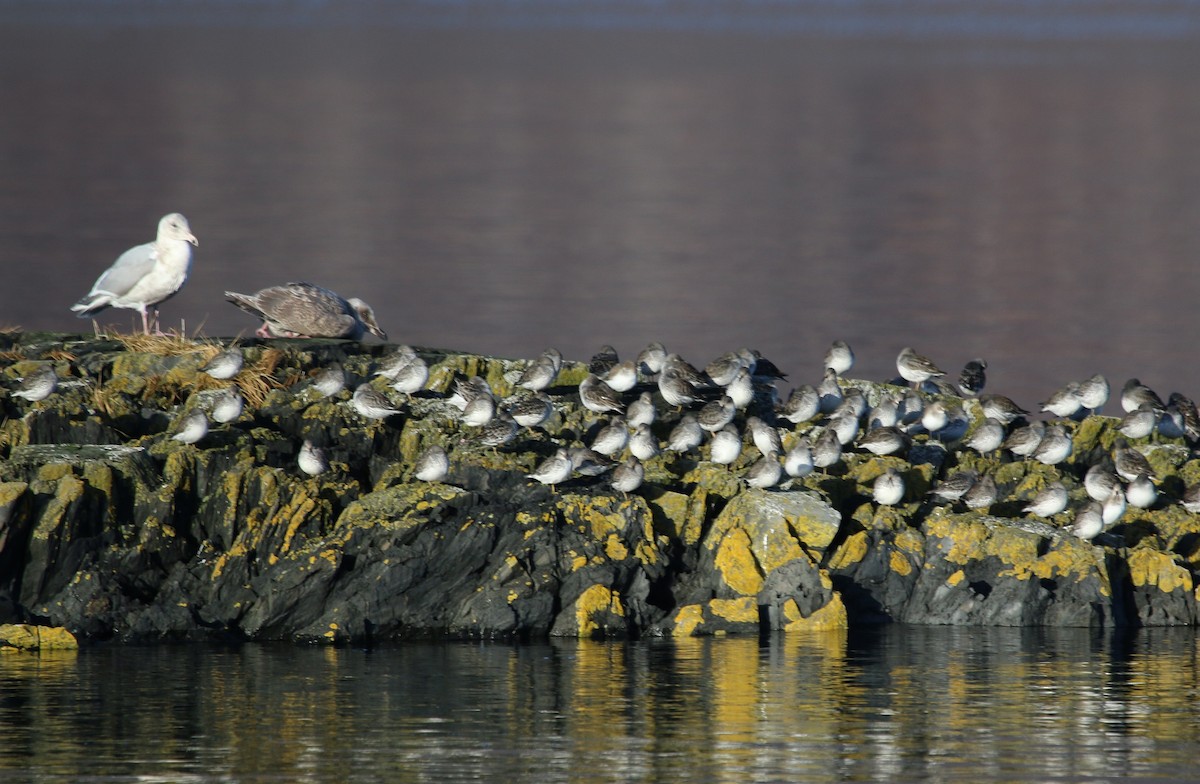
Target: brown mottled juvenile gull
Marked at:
302, 310
145, 275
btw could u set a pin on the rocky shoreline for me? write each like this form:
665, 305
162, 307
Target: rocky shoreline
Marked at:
114, 530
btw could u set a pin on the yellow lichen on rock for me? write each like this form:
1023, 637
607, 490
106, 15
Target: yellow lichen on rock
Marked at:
37, 638
743, 609
688, 619
852, 551
1149, 567
831, 616
735, 560
594, 601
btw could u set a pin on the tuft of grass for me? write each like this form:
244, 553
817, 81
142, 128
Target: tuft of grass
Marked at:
60, 355
172, 344
257, 381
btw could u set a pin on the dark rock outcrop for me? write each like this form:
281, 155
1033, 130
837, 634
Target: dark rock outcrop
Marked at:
113, 530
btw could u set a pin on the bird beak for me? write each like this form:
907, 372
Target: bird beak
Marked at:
192, 239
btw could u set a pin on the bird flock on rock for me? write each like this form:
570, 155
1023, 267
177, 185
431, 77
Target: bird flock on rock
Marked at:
659, 404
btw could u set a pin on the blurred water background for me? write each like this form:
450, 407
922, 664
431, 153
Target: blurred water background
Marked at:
1006, 179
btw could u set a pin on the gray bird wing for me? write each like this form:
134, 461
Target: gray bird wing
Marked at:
119, 279
302, 308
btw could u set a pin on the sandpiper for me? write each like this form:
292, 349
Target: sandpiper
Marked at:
829, 392
765, 437
228, 406
1024, 441
1135, 394
224, 365
479, 411
1051, 501
803, 404
1001, 408
987, 438
884, 440
1055, 446
432, 464
726, 445
1141, 492
675, 388
723, 369
839, 357
1130, 463
1139, 422
1190, 500
498, 430
599, 397
826, 450
37, 385
886, 413
589, 462
554, 470
531, 410
915, 368
717, 414
538, 375
191, 428
411, 378
955, 486
628, 476
372, 404
643, 444
765, 472
1191, 417
685, 436
1093, 392
1113, 506
1088, 522
981, 494
741, 389
311, 459
393, 363
1099, 482
888, 489
622, 376
1065, 402
330, 380
611, 438
650, 359
798, 461
641, 410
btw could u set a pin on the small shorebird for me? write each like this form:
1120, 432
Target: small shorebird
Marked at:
311, 459
888, 489
191, 428
1051, 501
915, 368
224, 365
371, 403
37, 385
432, 464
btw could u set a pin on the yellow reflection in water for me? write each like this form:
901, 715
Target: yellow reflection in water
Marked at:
906, 704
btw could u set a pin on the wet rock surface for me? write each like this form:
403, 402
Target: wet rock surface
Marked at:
112, 528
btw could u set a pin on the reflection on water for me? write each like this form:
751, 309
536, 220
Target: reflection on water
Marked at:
896, 704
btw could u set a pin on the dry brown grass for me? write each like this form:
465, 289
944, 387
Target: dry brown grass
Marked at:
160, 386
11, 330
59, 355
171, 344
257, 380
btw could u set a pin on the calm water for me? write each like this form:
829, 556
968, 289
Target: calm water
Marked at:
897, 704
1015, 181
